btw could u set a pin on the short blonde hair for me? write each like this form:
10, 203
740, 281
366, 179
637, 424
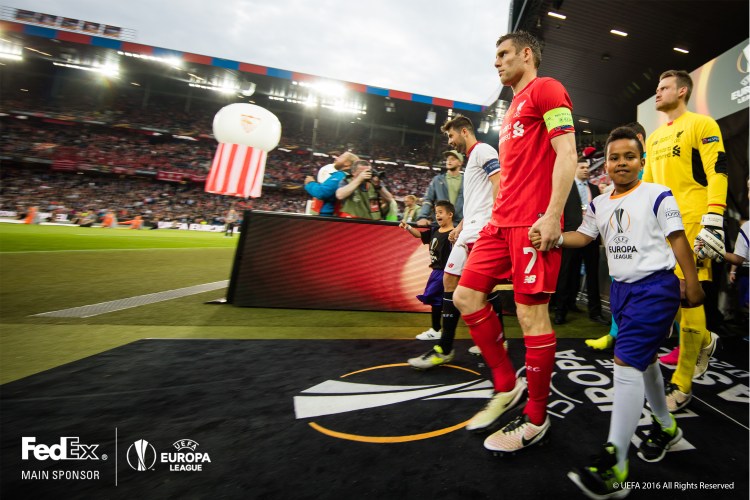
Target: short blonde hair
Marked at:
349, 156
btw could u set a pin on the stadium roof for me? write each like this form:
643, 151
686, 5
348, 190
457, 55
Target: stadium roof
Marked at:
42, 54
608, 75
219, 64
428, 47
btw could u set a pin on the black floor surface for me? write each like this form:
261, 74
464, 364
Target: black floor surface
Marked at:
234, 402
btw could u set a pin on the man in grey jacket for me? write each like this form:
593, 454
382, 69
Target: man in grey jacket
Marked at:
447, 186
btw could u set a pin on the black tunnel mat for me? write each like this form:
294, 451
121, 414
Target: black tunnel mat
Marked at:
335, 419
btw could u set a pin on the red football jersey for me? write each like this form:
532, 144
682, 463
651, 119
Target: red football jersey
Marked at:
526, 155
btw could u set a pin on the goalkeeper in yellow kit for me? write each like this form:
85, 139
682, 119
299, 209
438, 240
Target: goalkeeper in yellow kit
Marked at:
687, 155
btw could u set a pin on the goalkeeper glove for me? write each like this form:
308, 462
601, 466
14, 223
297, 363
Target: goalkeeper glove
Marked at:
709, 244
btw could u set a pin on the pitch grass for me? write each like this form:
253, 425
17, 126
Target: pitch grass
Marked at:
47, 268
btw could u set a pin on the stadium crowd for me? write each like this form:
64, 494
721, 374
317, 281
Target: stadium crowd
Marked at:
74, 146
167, 116
78, 196
122, 141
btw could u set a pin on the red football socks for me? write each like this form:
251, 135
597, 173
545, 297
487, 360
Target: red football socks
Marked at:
540, 360
488, 335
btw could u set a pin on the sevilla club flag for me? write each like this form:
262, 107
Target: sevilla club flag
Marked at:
237, 170
245, 133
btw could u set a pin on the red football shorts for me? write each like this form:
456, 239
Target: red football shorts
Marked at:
507, 252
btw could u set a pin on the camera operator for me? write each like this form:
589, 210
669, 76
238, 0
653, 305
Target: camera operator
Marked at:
323, 191
360, 193
388, 209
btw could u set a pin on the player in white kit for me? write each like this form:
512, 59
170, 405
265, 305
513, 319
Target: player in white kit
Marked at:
481, 184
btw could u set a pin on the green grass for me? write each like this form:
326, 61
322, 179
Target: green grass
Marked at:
46, 268
24, 238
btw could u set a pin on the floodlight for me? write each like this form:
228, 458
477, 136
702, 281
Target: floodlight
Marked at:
250, 90
38, 51
173, 61
104, 69
11, 51
329, 88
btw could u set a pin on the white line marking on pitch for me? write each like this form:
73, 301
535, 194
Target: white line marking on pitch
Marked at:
130, 302
111, 250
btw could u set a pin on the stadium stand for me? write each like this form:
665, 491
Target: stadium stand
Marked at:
153, 128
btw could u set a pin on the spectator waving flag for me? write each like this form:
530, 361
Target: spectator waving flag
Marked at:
245, 133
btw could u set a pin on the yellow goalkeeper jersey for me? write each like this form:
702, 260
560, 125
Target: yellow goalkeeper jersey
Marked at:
687, 155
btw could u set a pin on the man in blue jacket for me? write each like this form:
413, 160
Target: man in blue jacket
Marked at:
447, 186
326, 190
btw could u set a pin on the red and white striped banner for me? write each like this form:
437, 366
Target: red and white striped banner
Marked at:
64, 165
164, 175
237, 170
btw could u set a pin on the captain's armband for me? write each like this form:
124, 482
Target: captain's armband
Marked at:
558, 119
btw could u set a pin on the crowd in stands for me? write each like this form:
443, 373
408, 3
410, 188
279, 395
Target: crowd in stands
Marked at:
167, 115
141, 140
86, 144
79, 195
97, 145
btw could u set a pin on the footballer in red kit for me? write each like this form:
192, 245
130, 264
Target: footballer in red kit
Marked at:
527, 158
537, 154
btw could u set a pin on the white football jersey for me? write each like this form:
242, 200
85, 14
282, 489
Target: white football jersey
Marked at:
325, 172
741, 246
478, 200
634, 226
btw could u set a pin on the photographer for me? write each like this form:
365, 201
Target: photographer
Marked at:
360, 194
324, 188
388, 208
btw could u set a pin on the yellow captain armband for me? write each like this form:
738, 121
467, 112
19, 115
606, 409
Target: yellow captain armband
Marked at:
558, 119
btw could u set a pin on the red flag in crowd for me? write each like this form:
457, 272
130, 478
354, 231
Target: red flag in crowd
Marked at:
64, 164
237, 170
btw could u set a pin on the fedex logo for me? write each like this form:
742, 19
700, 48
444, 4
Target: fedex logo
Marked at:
69, 448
